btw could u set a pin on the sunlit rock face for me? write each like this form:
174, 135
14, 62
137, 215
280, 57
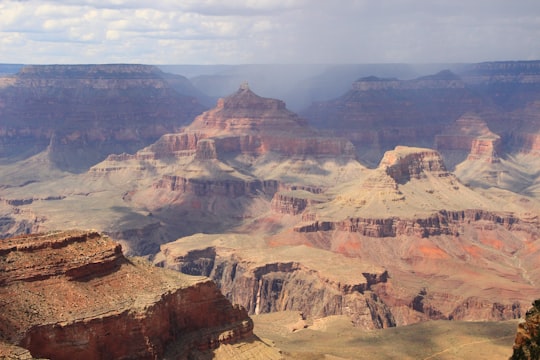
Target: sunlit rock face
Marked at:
85, 112
417, 220
73, 294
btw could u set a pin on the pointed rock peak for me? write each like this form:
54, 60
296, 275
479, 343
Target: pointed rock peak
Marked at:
246, 98
473, 125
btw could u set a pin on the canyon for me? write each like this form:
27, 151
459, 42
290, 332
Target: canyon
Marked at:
397, 203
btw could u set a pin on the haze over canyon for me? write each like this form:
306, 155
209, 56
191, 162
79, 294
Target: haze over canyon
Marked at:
348, 197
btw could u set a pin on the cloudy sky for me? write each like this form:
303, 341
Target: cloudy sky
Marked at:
268, 31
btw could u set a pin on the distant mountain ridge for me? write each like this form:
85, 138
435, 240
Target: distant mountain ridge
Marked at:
85, 112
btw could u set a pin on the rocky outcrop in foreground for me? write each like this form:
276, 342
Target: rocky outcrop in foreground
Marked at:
68, 295
527, 343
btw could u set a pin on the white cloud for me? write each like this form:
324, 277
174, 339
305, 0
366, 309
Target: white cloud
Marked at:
266, 31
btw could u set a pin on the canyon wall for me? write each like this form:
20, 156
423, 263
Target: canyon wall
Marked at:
281, 285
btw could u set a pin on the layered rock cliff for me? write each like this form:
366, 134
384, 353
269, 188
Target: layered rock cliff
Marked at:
416, 219
378, 114
85, 112
227, 165
315, 282
73, 294
468, 138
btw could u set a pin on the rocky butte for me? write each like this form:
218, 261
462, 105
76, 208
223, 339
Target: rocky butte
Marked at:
73, 295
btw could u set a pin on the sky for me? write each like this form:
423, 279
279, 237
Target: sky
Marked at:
268, 31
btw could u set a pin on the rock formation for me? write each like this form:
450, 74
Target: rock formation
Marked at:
82, 113
225, 167
306, 227
433, 236
378, 114
527, 343
315, 282
73, 294
468, 138
418, 221
229, 164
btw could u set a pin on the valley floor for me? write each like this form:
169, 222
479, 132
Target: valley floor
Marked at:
335, 338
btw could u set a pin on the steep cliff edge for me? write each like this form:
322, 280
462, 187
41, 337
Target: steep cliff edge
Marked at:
315, 282
73, 294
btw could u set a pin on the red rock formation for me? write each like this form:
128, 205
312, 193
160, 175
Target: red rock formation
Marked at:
74, 295
442, 223
485, 149
249, 124
418, 221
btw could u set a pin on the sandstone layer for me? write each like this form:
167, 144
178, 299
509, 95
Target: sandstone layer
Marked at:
73, 294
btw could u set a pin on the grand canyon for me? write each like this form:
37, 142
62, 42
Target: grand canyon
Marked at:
144, 214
